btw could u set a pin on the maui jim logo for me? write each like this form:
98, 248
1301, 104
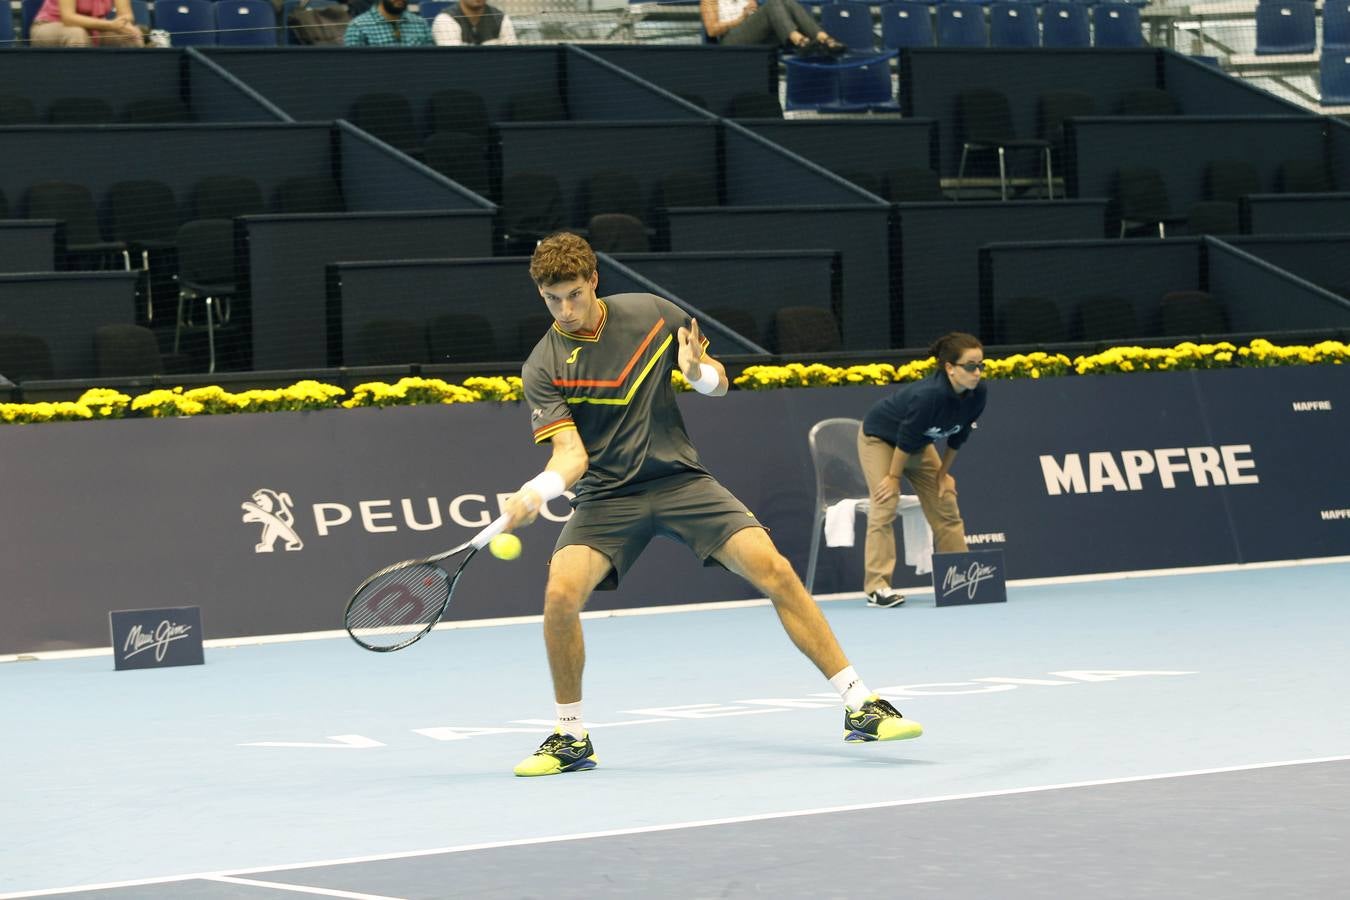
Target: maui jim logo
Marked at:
968, 581
164, 634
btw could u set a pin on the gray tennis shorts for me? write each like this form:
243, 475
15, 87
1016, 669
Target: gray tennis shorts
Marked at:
694, 509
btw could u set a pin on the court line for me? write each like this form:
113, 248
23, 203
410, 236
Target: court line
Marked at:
256, 640
299, 888
676, 826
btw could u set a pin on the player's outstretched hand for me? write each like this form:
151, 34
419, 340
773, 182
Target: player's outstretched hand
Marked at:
522, 507
691, 350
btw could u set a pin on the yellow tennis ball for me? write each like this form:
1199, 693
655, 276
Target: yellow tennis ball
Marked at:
505, 546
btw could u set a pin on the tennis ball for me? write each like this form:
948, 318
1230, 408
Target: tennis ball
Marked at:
505, 546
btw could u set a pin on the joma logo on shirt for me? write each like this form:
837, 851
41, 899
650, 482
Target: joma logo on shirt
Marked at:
576, 351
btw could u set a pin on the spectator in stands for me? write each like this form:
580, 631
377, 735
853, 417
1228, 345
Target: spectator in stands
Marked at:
472, 22
85, 23
898, 436
388, 24
782, 23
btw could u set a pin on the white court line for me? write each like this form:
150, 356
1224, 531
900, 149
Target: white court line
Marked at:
676, 826
300, 888
701, 607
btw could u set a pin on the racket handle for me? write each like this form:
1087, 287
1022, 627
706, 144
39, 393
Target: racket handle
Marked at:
480, 540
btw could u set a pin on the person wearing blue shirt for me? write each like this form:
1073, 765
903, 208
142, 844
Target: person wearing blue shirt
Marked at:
388, 24
898, 436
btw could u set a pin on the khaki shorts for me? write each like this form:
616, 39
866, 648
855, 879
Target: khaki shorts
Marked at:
692, 508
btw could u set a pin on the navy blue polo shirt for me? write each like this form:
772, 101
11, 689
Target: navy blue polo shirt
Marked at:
926, 411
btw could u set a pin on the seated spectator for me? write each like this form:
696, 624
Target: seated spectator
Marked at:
388, 24
84, 23
781, 23
472, 22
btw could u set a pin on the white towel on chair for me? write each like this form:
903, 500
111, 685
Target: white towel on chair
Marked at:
839, 523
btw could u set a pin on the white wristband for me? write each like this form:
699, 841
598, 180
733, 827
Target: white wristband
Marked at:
708, 379
547, 484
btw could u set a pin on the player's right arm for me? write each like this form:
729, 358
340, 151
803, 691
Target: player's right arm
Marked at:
569, 460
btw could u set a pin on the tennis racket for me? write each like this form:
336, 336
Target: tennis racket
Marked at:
400, 604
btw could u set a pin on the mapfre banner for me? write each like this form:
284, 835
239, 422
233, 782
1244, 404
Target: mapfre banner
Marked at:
268, 521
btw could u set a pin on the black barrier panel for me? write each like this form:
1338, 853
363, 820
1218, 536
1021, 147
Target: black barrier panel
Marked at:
65, 309
287, 256
1338, 152
1083, 277
177, 155
599, 90
1322, 259
1104, 146
1296, 424
315, 83
849, 146
117, 76
30, 245
859, 234
930, 79
374, 179
715, 282
1258, 297
645, 152
1295, 213
759, 173
1067, 476
939, 254
218, 96
1203, 89
708, 76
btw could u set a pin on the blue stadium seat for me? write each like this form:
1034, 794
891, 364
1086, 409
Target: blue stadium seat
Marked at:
1013, 24
1283, 28
1117, 25
246, 23
430, 9
1335, 76
810, 84
906, 23
188, 22
850, 22
961, 25
1065, 24
866, 84
1336, 23
7, 29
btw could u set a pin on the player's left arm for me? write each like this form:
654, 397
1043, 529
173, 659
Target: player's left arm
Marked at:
707, 375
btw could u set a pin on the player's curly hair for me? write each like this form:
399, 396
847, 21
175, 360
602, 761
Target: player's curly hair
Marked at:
561, 257
949, 347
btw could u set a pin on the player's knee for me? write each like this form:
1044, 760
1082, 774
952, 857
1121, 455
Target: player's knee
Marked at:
563, 598
776, 574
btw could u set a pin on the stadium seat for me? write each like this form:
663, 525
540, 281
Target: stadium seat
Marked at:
74, 205
1304, 176
206, 272
849, 21
618, 233
143, 214
226, 196
1052, 108
741, 321
124, 351
389, 117
906, 23
189, 22
430, 9
1226, 182
453, 109
28, 10
246, 23
1285, 27
388, 342
1190, 313
984, 123
610, 192
1334, 77
531, 209
961, 24
805, 329
811, 84
913, 185
80, 111
24, 357
1065, 24
1104, 318
1030, 320
17, 110
1140, 195
1117, 25
865, 82
1013, 24
461, 157
1336, 23
461, 338
308, 194
7, 38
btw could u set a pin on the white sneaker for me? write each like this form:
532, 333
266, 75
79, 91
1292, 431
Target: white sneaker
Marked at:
885, 598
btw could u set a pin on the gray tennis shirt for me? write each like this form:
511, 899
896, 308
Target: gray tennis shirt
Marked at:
614, 388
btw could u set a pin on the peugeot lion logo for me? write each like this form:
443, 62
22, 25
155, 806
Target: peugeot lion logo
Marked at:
272, 510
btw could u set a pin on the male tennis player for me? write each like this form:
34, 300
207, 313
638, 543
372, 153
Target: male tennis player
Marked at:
598, 386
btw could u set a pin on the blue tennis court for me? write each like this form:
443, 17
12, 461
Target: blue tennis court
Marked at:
1169, 735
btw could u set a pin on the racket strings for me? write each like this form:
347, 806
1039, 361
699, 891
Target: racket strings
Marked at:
398, 604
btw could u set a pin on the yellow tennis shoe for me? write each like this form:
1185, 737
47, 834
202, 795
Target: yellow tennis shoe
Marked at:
877, 720
557, 754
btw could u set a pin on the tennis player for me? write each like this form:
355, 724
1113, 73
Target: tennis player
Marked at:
598, 386
898, 436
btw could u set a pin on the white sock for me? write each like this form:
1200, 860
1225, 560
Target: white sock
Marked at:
851, 688
569, 719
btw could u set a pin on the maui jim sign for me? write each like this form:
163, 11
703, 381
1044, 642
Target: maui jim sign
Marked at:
972, 577
156, 638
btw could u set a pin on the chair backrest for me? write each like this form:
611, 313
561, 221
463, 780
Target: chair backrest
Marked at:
1105, 317
610, 191
453, 109
532, 204
1142, 194
188, 22
142, 210
618, 233
849, 21
459, 156
461, 337
226, 196
805, 329
1053, 107
1334, 76
1336, 23
1285, 27
430, 9
983, 116
71, 203
389, 117
17, 110
1187, 313
206, 251
961, 24
1065, 24
125, 350
28, 11
913, 185
866, 83
1117, 25
7, 28
1013, 24
906, 23
246, 23
739, 320
834, 453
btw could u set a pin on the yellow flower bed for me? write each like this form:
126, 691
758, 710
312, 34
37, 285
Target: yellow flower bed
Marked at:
102, 403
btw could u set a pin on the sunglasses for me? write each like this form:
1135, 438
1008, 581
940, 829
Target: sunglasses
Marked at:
971, 367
